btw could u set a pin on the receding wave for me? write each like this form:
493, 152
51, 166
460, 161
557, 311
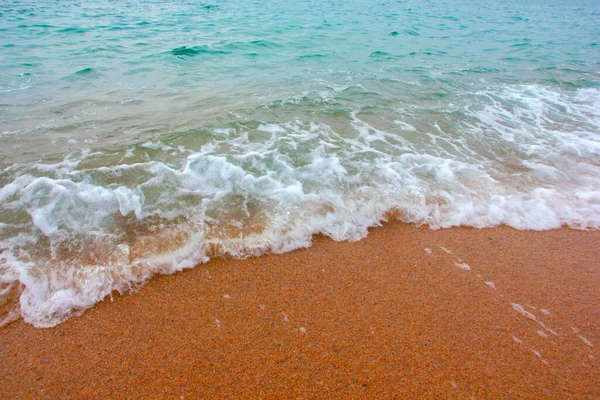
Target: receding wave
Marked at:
74, 231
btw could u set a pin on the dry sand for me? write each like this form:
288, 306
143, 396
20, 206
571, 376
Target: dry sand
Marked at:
397, 315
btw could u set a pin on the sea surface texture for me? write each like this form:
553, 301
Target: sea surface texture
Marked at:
144, 137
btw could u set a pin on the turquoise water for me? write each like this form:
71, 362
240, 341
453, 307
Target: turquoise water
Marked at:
144, 137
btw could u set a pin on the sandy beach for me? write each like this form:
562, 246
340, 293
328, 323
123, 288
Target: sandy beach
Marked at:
406, 313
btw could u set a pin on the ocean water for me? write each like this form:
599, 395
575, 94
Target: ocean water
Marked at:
146, 136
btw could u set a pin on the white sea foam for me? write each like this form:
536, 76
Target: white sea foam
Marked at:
72, 234
462, 265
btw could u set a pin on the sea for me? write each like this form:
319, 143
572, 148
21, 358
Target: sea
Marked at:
143, 137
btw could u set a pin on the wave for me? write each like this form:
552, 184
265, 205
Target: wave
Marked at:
195, 50
73, 232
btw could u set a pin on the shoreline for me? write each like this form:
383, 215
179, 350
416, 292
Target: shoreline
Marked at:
406, 312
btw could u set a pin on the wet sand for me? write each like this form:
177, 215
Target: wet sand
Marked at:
397, 315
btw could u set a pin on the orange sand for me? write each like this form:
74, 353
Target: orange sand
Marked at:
379, 318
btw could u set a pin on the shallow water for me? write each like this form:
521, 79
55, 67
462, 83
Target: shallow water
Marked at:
144, 137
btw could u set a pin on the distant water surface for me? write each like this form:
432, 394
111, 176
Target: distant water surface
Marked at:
143, 137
